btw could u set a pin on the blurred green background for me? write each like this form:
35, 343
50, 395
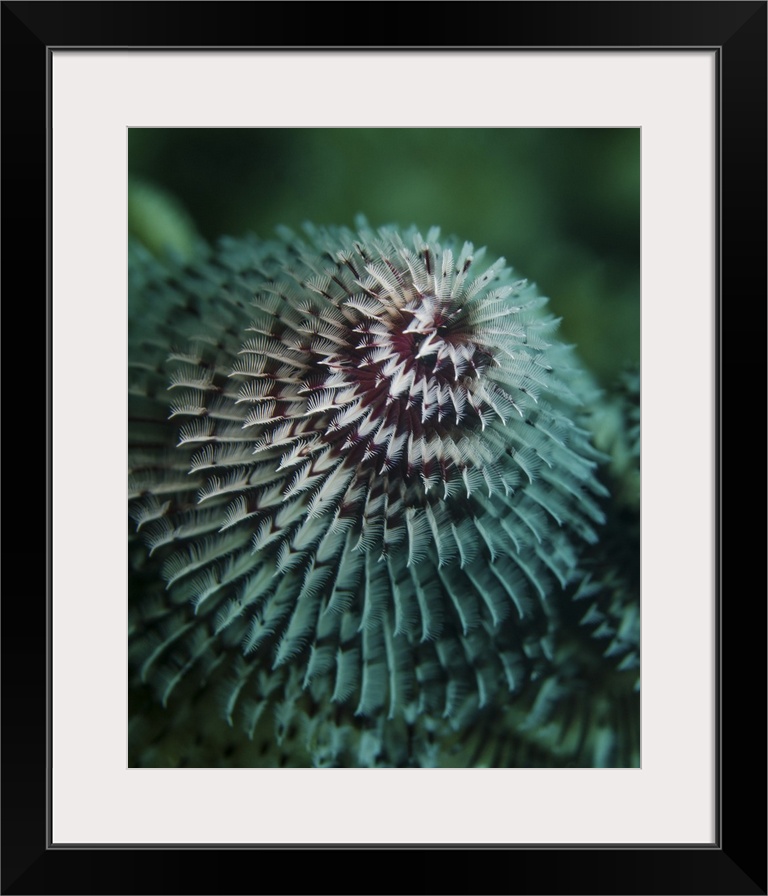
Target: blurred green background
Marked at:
562, 205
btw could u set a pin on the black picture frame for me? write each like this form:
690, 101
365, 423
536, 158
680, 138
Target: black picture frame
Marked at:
736, 862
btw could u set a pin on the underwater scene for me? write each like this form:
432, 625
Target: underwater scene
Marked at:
384, 448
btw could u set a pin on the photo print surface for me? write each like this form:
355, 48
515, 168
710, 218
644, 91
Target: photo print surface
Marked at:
384, 448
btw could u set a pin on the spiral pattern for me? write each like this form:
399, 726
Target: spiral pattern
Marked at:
357, 460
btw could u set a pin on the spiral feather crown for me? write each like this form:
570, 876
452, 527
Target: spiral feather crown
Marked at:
358, 460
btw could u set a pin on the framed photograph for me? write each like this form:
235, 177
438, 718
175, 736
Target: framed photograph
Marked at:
406, 570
